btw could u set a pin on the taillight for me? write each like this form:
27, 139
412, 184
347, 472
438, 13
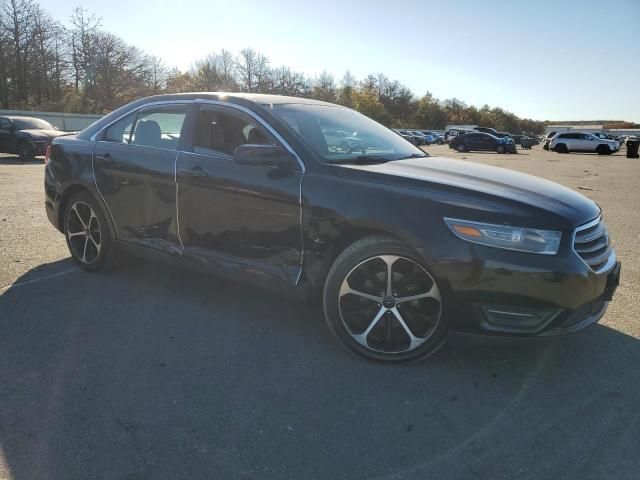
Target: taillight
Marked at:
47, 153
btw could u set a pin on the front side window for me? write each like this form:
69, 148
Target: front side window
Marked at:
120, 131
5, 124
159, 127
219, 131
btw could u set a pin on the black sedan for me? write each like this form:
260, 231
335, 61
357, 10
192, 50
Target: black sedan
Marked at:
398, 247
26, 136
482, 141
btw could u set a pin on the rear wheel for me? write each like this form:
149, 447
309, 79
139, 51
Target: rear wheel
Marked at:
381, 302
561, 148
88, 234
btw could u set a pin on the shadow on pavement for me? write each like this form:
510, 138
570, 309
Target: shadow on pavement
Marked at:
15, 160
154, 372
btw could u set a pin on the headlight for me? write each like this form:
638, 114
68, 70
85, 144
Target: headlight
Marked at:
522, 239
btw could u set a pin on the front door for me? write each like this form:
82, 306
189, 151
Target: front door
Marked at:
7, 136
243, 217
134, 164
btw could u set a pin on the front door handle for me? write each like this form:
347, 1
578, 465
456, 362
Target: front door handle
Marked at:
194, 172
106, 158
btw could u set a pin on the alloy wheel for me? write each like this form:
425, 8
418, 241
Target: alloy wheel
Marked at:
83, 232
389, 304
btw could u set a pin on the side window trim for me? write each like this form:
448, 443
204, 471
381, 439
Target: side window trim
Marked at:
262, 122
146, 107
97, 137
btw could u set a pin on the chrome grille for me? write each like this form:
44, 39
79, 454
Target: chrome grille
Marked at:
591, 243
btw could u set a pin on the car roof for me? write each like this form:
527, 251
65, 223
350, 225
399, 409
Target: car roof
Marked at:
15, 117
261, 98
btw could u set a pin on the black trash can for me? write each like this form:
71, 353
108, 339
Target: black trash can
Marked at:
632, 147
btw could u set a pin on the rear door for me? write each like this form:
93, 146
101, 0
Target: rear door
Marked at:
243, 217
134, 164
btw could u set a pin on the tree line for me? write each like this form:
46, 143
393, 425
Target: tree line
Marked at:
82, 68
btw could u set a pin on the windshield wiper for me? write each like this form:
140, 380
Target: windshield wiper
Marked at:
414, 155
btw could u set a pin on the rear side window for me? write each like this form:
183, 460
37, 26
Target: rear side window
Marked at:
159, 127
219, 131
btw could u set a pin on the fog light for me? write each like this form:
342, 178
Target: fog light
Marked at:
517, 320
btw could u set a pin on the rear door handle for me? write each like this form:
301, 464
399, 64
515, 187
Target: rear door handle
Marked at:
194, 172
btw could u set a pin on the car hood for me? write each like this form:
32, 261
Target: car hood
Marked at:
43, 134
575, 208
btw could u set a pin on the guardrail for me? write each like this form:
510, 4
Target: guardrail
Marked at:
68, 122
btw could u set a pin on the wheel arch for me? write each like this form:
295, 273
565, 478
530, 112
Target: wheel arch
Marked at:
73, 189
316, 271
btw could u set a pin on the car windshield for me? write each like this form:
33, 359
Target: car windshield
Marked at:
314, 124
31, 124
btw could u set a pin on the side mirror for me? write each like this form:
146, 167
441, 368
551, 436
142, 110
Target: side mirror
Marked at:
265, 155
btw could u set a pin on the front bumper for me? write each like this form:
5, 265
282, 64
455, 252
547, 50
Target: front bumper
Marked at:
498, 292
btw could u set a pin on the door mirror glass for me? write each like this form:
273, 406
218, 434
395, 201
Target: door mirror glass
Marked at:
264, 155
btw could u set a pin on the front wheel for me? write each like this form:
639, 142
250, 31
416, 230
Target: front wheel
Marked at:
500, 149
381, 302
603, 150
88, 235
461, 147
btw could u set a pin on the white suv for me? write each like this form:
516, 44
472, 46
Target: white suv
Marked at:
582, 142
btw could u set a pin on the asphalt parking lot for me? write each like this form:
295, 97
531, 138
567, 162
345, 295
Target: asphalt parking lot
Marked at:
153, 372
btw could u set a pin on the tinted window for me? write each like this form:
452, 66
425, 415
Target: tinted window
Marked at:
120, 132
159, 127
219, 131
4, 123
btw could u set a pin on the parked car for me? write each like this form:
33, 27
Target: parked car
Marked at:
482, 141
437, 138
527, 142
417, 139
408, 137
343, 141
454, 132
582, 142
26, 136
492, 131
428, 139
398, 247
547, 139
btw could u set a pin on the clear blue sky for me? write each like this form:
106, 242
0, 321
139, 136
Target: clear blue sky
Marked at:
556, 60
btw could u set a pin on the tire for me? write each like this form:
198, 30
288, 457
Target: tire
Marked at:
25, 152
396, 326
461, 147
561, 148
500, 149
603, 150
88, 234
439, 142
